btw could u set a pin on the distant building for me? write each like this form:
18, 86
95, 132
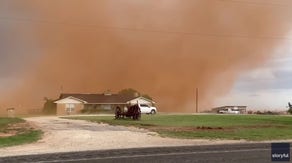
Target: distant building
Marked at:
69, 104
241, 109
11, 112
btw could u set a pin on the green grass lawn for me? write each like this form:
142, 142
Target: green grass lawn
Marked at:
235, 127
23, 135
4, 122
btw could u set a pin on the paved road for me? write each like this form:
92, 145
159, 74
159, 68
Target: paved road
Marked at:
239, 153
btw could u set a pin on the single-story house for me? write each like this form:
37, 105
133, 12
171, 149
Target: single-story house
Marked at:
242, 109
69, 104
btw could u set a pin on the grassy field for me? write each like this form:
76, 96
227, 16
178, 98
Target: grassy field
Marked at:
22, 132
4, 122
235, 127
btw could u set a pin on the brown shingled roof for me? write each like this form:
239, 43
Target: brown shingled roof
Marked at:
100, 98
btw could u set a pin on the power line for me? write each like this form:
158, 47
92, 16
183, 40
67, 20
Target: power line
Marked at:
91, 26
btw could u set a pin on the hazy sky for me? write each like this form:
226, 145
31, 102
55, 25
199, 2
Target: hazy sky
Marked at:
266, 87
236, 51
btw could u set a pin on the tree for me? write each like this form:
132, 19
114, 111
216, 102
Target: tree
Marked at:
130, 92
134, 93
290, 108
147, 96
49, 106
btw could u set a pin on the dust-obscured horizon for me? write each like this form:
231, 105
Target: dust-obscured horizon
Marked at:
164, 48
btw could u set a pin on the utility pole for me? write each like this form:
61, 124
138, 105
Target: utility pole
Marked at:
197, 100
62, 89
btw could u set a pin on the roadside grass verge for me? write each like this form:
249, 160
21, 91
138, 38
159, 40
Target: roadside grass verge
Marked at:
24, 138
234, 127
14, 131
4, 122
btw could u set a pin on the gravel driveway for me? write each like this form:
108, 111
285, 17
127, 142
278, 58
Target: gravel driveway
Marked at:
63, 135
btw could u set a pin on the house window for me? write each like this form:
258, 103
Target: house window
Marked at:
70, 108
106, 107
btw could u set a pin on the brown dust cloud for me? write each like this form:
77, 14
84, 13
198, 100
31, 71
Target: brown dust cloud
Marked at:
165, 48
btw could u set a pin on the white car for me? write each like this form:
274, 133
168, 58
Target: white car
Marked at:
147, 109
229, 111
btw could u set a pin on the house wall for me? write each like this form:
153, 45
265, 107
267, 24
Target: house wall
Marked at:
62, 104
61, 109
100, 108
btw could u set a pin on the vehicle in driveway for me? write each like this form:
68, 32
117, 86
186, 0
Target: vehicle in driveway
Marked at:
147, 109
229, 111
131, 112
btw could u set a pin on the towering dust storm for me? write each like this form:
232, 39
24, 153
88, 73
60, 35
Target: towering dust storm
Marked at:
165, 48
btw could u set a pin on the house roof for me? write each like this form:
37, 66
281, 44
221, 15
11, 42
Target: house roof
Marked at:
100, 98
141, 97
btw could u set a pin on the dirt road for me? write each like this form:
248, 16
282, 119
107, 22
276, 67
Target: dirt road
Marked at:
63, 135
